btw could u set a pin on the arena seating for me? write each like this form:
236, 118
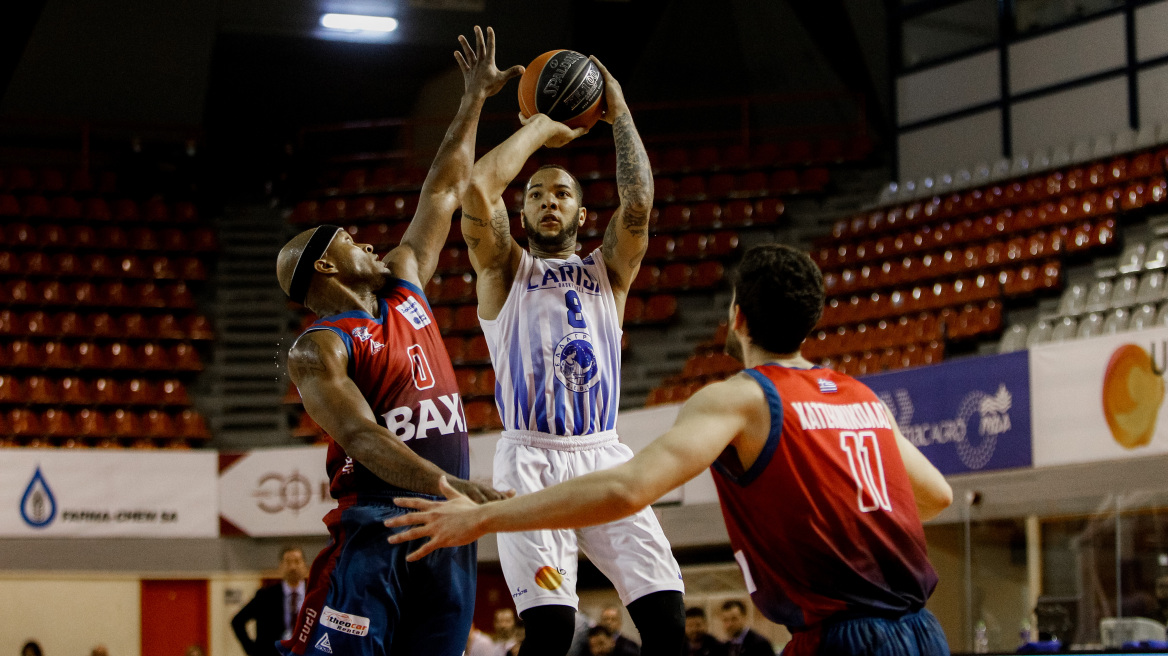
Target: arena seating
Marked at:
97, 314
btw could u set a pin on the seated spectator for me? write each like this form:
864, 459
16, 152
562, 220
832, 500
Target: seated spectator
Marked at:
600, 642
698, 640
741, 640
611, 619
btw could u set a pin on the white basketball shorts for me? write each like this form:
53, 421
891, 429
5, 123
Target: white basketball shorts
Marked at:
541, 566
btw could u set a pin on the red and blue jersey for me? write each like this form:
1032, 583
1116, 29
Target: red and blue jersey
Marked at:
399, 363
824, 523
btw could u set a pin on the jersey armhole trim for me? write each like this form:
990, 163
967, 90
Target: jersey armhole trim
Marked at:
345, 337
775, 404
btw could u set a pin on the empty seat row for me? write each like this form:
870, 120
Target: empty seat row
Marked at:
658, 308
871, 362
1060, 329
723, 186
679, 276
1105, 293
981, 257
112, 294
54, 236
96, 209
90, 423
886, 333
1145, 166
941, 294
73, 390
132, 325
149, 356
22, 179
709, 215
692, 246
97, 265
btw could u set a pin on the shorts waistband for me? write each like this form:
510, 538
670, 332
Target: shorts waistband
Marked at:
560, 442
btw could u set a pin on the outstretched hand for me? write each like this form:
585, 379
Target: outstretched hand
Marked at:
447, 523
477, 64
557, 133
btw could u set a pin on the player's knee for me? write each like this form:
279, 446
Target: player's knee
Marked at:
547, 630
660, 619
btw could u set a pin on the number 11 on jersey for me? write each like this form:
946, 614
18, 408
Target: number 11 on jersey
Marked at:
867, 469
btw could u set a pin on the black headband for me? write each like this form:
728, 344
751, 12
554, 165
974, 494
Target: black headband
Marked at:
306, 264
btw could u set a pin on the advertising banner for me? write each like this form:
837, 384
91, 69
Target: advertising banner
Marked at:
1100, 398
965, 415
94, 494
274, 492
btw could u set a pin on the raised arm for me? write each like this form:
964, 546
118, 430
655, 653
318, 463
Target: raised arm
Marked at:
318, 364
486, 226
708, 422
627, 235
416, 258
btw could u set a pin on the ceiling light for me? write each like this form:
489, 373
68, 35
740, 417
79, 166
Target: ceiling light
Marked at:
358, 23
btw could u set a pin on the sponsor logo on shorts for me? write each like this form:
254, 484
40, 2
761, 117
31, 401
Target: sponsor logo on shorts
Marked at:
549, 578
323, 644
519, 592
344, 622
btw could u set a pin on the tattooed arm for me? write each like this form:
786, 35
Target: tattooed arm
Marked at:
318, 364
486, 226
627, 235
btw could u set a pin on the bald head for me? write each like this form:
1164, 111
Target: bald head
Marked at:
289, 255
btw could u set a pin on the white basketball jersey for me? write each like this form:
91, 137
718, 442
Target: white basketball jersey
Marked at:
556, 349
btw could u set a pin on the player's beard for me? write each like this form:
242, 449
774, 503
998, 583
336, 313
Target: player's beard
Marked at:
552, 243
733, 347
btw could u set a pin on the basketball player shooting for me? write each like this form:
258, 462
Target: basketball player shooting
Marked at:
374, 374
822, 495
552, 321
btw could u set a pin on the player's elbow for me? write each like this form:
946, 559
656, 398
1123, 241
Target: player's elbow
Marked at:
479, 187
625, 498
638, 201
934, 499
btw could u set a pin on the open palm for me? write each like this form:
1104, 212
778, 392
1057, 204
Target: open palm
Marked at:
478, 64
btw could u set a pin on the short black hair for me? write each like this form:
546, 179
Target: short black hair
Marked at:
780, 292
31, 646
576, 188
734, 603
599, 630
695, 611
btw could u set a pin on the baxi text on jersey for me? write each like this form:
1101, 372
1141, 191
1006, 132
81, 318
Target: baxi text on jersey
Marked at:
565, 275
445, 418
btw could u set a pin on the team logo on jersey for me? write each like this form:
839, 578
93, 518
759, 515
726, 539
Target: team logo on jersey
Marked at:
576, 362
413, 310
323, 644
362, 333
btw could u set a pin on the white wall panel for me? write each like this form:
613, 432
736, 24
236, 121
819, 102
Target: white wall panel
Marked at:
71, 615
1061, 118
1152, 31
1067, 54
948, 88
952, 145
1153, 85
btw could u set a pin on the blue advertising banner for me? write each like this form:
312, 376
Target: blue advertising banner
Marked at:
967, 415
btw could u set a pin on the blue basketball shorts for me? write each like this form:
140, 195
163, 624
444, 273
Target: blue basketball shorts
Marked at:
913, 634
364, 599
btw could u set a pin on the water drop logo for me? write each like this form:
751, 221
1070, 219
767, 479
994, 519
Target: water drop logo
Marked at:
37, 506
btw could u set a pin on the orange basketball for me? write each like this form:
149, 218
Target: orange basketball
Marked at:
566, 86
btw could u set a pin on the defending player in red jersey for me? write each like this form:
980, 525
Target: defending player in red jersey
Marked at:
374, 374
822, 495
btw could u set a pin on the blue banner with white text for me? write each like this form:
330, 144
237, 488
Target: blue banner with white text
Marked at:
965, 416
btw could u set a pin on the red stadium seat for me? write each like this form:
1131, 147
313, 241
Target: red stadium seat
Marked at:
706, 215
707, 275
674, 277
674, 217
124, 424
73, 391
90, 423
466, 318
172, 392
197, 327
738, 213
768, 211
476, 350
119, 355
182, 357
156, 211
646, 279
90, 356
126, 210
691, 187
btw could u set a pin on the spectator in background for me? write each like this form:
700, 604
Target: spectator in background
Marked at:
31, 648
506, 634
610, 618
99, 650
580, 634
698, 641
273, 608
479, 643
600, 642
741, 640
